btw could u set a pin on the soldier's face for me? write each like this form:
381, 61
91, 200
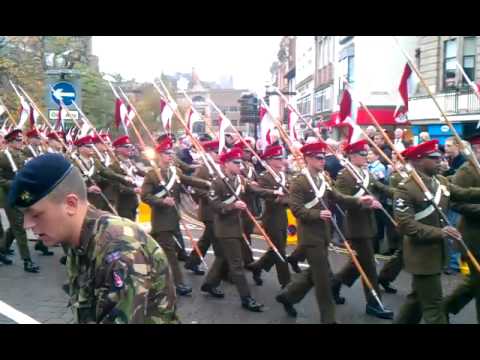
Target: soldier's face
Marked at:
317, 162
55, 145
233, 166
476, 150
17, 144
431, 165
44, 216
166, 158
86, 151
35, 141
214, 155
358, 160
277, 164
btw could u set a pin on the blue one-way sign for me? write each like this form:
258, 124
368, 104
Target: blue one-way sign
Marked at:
63, 91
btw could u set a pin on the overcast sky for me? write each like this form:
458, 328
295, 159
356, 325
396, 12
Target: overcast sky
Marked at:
246, 58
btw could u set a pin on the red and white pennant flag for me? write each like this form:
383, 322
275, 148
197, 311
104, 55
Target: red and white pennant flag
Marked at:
193, 117
292, 121
123, 114
224, 125
348, 115
27, 113
407, 87
166, 114
267, 127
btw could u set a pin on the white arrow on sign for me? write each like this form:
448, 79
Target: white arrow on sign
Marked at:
59, 94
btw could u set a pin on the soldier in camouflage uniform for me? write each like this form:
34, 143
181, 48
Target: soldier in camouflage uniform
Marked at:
12, 160
118, 274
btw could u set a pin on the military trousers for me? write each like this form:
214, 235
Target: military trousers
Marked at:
228, 253
468, 290
127, 206
365, 255
169, 246
248, 227
392, 268
16, 231
425, 301
318, 276
270, 258
203, 244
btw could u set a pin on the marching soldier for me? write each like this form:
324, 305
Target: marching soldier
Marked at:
117, 273
205, 211
361, 229
34, 147
307, 191
425, 234
469, 227
128, 201
228, 229
275, 217
12, 160
53, 143
247, 170
162, 197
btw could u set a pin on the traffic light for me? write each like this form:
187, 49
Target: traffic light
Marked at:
248, 108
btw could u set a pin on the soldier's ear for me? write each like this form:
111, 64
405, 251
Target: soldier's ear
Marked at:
72, 204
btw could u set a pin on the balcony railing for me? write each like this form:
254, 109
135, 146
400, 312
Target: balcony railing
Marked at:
461, 101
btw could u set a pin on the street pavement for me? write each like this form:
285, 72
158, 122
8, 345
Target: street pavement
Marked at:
40, 295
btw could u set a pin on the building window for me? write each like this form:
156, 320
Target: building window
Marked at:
469, 51
347, 70
449, 67
304, 104
323, 100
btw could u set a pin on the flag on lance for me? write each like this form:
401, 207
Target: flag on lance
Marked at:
166, 114
224, 124
267, 127
348, 115
408, 86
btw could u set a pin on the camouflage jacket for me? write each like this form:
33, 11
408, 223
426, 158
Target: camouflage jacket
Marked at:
119, 274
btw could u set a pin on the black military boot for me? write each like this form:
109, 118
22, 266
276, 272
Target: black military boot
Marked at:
374, 309
250, 304
194, 268
66, 288
63, 260
214, 291
294, 264
336, 286
386, 286
5, 260
30, 266
287, 305
182, 255
256, 272
183, 290
40, 246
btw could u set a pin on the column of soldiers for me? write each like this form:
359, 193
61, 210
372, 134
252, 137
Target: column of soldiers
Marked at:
114, 185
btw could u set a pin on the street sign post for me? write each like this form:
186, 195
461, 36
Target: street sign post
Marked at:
63, 91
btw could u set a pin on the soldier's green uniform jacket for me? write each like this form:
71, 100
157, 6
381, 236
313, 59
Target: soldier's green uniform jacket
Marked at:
164, 217
312, 230
119, 274
6, 170
227, 220
425, 249
469, 224
275, 216
360, 222
205, 211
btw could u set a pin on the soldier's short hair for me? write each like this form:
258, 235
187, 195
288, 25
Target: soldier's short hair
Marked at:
73, 183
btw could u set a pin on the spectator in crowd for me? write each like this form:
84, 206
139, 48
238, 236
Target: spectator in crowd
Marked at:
380, 142
399, 142
371, 131
423, 137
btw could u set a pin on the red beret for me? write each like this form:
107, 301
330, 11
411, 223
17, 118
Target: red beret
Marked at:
235, 153
356, 147
474, 140
33, 133
242, 146
210, 145
97, 139
272, 151
164, 145
13, 135
86, 140
313, 148
422, 150
53, 135
122, 140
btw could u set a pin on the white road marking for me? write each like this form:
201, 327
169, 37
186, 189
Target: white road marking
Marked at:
15, 315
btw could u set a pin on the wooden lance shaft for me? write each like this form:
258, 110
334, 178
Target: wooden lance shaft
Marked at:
418, 180
8, 113
337, 228
200, 149
65, 146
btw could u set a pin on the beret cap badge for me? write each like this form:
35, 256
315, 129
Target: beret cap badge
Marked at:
26, 196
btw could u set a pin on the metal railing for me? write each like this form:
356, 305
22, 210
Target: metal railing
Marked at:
458, 101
